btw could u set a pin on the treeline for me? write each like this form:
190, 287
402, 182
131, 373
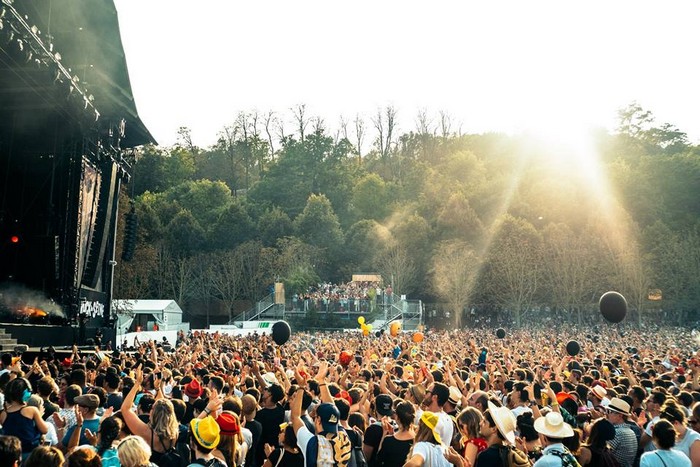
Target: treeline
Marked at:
446, 217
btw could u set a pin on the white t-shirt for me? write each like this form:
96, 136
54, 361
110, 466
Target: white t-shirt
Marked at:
683, 444
444, 427
433, 454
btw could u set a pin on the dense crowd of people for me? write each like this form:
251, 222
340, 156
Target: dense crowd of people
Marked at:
353, 296
438, 399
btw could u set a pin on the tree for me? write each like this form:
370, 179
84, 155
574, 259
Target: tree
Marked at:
370, 198
274, 224
454, 273
514, 268
226, 276
318, 225
397, 265
569, 267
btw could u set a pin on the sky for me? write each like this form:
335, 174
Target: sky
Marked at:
544, 66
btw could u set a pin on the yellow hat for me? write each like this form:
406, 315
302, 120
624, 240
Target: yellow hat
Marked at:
430, 420
206, 431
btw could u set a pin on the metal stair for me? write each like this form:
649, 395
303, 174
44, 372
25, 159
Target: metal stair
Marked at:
265, 308
409, 312
7, 342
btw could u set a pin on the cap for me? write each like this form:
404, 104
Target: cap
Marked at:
430, 420
384, 405
329, 415
88, 400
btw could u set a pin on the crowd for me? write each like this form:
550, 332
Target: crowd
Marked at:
353, 296
458, 398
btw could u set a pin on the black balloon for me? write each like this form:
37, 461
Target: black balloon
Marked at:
572, 348
613, 306
281, 332
378, 333
501, 333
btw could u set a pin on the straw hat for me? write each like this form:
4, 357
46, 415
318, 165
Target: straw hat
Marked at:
504, 420
619, 406
552, 425
599, 391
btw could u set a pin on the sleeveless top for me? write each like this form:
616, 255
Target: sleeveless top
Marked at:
155, 455
393, 452
23, 428
683, 445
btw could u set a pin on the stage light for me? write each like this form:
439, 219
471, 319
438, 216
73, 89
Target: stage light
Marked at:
14, 239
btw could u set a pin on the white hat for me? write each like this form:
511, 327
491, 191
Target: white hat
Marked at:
455, 396
504, 420
599, 391
552, 425
618, 405
270, 378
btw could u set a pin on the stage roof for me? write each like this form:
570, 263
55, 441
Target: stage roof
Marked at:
78, 36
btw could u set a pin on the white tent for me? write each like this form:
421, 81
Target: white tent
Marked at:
148, 315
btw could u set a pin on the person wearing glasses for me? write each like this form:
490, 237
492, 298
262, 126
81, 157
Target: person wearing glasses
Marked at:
624, 444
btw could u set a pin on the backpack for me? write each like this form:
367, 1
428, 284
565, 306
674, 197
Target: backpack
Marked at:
567, 459
358, 455
514, 457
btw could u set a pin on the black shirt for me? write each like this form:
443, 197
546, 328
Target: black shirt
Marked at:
270, 419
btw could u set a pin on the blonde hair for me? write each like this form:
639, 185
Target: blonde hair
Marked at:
163, 420
229, 445
133, 451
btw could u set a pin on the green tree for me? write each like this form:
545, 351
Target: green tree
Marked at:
274, 224
318, 225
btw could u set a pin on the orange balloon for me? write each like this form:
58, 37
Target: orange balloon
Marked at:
417, 337
365, 331
395, 328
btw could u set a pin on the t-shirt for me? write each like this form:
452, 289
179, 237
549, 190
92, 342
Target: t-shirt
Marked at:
393, 452
444, 427
491, 457
433, 454
683, 444
93, 425
664, 458
373, 436
289, 459
114, 400
270, 420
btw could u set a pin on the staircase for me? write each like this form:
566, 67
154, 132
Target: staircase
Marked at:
409, 312
7, 342
264, 309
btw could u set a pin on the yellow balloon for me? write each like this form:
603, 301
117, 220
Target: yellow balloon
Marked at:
369, 326
361, 320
